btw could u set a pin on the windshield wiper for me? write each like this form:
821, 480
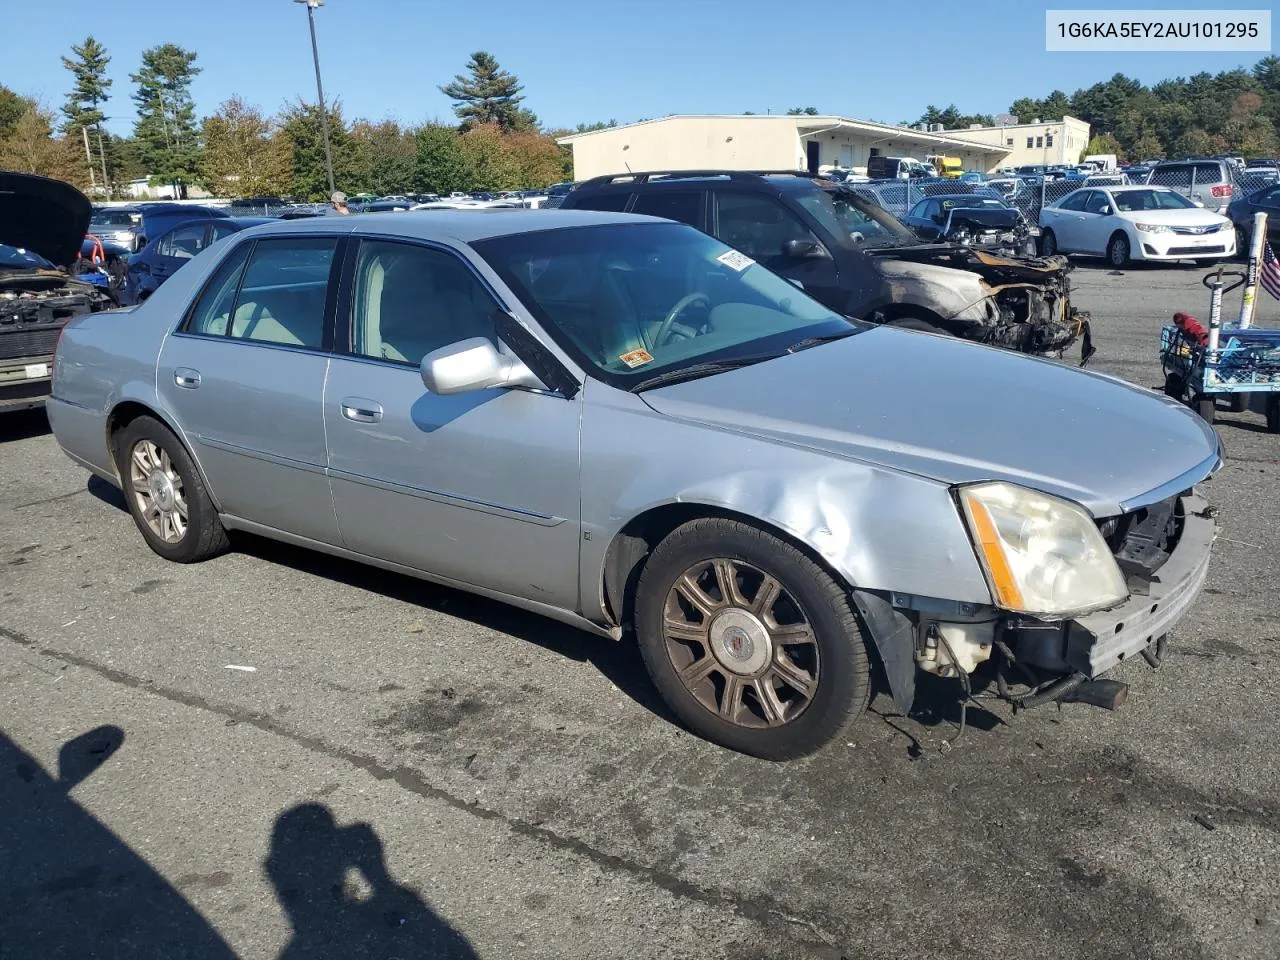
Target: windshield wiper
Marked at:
698, 370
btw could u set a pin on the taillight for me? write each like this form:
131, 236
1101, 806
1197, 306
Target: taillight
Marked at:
1222, 191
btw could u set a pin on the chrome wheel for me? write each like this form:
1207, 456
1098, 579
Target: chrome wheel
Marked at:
740, 643
158, 492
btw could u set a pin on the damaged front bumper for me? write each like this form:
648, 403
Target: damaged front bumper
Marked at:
1096, 642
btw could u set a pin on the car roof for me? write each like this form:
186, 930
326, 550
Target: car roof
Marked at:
465, 226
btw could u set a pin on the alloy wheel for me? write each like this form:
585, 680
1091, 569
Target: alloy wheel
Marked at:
158, 492
740, 643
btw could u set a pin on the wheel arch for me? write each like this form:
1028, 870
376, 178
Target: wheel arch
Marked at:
629, 549
125, 411
1135, 250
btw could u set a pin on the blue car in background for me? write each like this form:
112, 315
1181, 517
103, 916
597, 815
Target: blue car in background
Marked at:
170, 251
125, 230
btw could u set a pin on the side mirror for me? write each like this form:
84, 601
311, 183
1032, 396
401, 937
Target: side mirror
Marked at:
1198, 203
1106, 210
474, 364
800, 249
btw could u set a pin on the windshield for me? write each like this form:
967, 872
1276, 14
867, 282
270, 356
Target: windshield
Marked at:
16, 258
628, 301
114, 218
846, 214
1128, 201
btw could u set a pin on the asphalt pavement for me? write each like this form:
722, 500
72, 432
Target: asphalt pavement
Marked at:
281, 754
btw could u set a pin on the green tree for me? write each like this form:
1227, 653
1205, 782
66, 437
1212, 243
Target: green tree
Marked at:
244, 155
802, 112
12, 108
439, 165
1104, 143
82, 109
300, 124
1146, 147
29, 146
166, 124
386, 155
1193, 142
488, 94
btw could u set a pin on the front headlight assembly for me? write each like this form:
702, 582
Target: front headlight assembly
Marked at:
1153, 228
1041, 555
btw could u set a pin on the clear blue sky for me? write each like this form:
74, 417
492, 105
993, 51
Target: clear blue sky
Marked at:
587, 60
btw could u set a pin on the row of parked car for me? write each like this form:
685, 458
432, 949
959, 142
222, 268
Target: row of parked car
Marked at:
671, 433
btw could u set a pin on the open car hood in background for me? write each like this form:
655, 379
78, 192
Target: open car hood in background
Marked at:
45, 216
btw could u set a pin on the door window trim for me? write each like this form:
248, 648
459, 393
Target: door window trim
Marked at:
327, 334
507, 328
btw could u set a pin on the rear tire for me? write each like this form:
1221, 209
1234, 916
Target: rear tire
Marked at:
166, 494
1175, 387
1118, 251
776, 676
1238, 402
1048, 244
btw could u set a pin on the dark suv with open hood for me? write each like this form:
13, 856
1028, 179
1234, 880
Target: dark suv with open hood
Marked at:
42, 223
856, 258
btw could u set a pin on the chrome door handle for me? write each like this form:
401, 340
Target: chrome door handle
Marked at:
186, 377
361, 410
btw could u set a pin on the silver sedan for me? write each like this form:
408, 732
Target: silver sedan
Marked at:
624, 424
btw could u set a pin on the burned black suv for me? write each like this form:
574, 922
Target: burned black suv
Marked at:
42, 225
857, 258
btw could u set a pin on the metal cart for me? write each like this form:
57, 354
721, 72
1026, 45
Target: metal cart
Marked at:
1232, 362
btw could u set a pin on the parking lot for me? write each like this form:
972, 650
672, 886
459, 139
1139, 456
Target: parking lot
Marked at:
526, 794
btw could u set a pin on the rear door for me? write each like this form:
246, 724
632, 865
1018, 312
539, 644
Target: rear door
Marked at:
175, 248
683, 205
244, 377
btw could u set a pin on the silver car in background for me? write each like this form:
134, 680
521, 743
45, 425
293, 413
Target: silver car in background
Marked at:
622, 423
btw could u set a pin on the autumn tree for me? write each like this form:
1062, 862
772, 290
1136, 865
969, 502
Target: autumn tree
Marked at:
488, 94
83, 107
28, 145
166, 124
1102, 143
244, 155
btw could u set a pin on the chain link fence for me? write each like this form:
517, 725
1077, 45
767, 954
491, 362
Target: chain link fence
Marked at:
1211, 183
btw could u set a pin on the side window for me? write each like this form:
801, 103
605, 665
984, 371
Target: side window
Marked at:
1097, 202
184, 242
1172, 177
284, 290
210, 314
612, 202
757, 225
410, 300
682, 205
1210, 173
221, 230
1075, 201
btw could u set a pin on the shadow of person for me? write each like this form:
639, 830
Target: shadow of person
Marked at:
69, 887
334, 887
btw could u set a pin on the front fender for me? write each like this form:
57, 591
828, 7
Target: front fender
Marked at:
877, 528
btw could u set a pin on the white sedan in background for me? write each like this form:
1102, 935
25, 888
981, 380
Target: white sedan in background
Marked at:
1134, 223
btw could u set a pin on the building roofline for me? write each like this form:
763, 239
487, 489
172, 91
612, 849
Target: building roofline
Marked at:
803, 121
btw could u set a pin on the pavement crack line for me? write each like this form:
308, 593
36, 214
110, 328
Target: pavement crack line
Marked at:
61, 496
761, 909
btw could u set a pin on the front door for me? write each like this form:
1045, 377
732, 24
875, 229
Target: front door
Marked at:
760, 226
479, 487
244, 378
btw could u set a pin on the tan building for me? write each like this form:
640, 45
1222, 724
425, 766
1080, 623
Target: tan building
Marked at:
1062, 141
817, 144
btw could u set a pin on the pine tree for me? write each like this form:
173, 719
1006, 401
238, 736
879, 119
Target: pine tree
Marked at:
166, 126
488, 95
82, 111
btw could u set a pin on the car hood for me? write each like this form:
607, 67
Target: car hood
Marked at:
958, 412
1176, 218
47, 216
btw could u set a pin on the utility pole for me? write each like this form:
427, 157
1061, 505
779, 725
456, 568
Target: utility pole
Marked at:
88, 155
102, 155
324, 113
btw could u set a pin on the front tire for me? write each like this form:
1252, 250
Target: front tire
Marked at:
1118, 251
751, 643
1048, 244
166, 494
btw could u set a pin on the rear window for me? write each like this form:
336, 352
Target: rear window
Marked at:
611, 202
1209, 173
682, 205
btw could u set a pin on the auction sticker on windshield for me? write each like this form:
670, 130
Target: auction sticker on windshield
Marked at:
735, 260
636, 358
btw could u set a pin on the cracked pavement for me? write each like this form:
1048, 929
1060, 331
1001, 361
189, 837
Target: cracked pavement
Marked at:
410, 771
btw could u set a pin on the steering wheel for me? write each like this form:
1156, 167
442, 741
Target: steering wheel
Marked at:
683, 304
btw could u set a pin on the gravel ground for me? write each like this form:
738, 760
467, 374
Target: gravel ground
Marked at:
408, 771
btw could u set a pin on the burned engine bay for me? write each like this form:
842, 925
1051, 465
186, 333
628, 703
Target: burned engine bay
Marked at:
34, 304
1024, 303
